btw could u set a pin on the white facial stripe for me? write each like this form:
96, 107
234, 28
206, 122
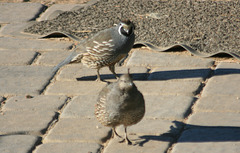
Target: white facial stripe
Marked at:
119, 29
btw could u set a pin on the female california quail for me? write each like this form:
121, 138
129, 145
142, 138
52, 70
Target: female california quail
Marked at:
106, 48
120, 103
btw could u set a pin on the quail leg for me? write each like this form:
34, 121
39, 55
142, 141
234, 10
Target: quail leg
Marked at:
128, 142
126, 138
98, 76
112, 69
115, 133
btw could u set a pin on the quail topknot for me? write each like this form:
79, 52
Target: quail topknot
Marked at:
120, 103
106, 48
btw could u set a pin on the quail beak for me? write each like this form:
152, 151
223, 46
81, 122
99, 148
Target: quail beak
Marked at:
127, 28
130, 84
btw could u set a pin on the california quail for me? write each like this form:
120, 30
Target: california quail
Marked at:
120, 103
106, 48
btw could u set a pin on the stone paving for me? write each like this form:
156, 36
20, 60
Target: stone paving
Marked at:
192, 103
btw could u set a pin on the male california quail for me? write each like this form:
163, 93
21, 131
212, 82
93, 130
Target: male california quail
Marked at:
106, 48
120, 103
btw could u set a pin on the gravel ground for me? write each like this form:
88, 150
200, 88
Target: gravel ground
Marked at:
47, 2
206, 26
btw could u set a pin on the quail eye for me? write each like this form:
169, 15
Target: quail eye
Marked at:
124, 81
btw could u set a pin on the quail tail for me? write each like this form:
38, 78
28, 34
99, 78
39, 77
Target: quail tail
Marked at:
64, 62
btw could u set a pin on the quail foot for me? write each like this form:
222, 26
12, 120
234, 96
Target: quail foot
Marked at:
106, 48
120, 103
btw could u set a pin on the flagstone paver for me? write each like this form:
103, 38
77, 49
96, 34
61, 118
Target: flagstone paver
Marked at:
192, 103
13, 12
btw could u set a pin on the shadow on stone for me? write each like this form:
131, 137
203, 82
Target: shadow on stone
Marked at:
190, 73
169, 136
136, 76
147, 138
179, 74
169, 75
194, 133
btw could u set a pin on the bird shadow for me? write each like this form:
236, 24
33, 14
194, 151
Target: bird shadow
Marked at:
191, 73
169, 74
185, 133
136, 76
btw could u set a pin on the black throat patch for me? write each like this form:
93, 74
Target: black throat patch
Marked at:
123, 32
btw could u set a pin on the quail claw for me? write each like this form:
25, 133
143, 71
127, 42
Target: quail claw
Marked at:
99, 80
127, 141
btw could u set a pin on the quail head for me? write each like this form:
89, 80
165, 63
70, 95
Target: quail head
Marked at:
106, 48
120, 103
